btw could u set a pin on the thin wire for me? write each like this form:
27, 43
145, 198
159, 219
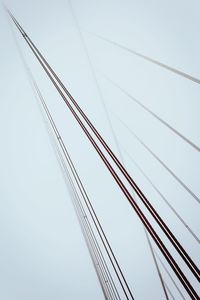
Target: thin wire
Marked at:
79, 183
158, 241
89, 235
93, 72
163, 197
180, 135
87, 239
65, 172
92, 252
149, 59
169, 291
181, 251
38, 94
181, 294
157, 267
158, 159
93, 237
93, 255
110, 125
55, 80
85, 197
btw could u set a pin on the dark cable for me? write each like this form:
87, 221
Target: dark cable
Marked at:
159, 160
109, 122
164, 199
179, 248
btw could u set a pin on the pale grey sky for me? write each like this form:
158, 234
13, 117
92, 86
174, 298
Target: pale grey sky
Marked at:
42, 252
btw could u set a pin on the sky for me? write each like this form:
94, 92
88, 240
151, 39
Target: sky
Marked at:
42, 252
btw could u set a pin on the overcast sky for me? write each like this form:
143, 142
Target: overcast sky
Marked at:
42, 252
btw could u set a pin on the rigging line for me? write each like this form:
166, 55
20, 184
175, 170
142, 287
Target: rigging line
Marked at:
88, 225
94, 254
156, 265
108, 117
91, 250
33, 84
62, 89
81, 187
146, 234
63, 166
171, 237
66, 177
65, 169
169, 291
180, 135
158, 159
88, 236
163, 249
105, 110
147, 58
61, 158
101, 277
163, 283
101, 264
181, 294
85, 196
163, 197
30, 76
107, 288
181, 276
93, 72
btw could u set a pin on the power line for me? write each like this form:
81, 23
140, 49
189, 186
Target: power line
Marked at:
55, 80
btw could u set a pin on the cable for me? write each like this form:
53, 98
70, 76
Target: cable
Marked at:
158, 159
82, 190
156, 62
179, 248
99, 254
85, 197
110, 124
92, 69
181, 294
38, 94
180, 135
164, 199
157, 267
90, 237
90, 230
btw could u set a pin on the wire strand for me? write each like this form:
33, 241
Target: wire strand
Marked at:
179, 248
